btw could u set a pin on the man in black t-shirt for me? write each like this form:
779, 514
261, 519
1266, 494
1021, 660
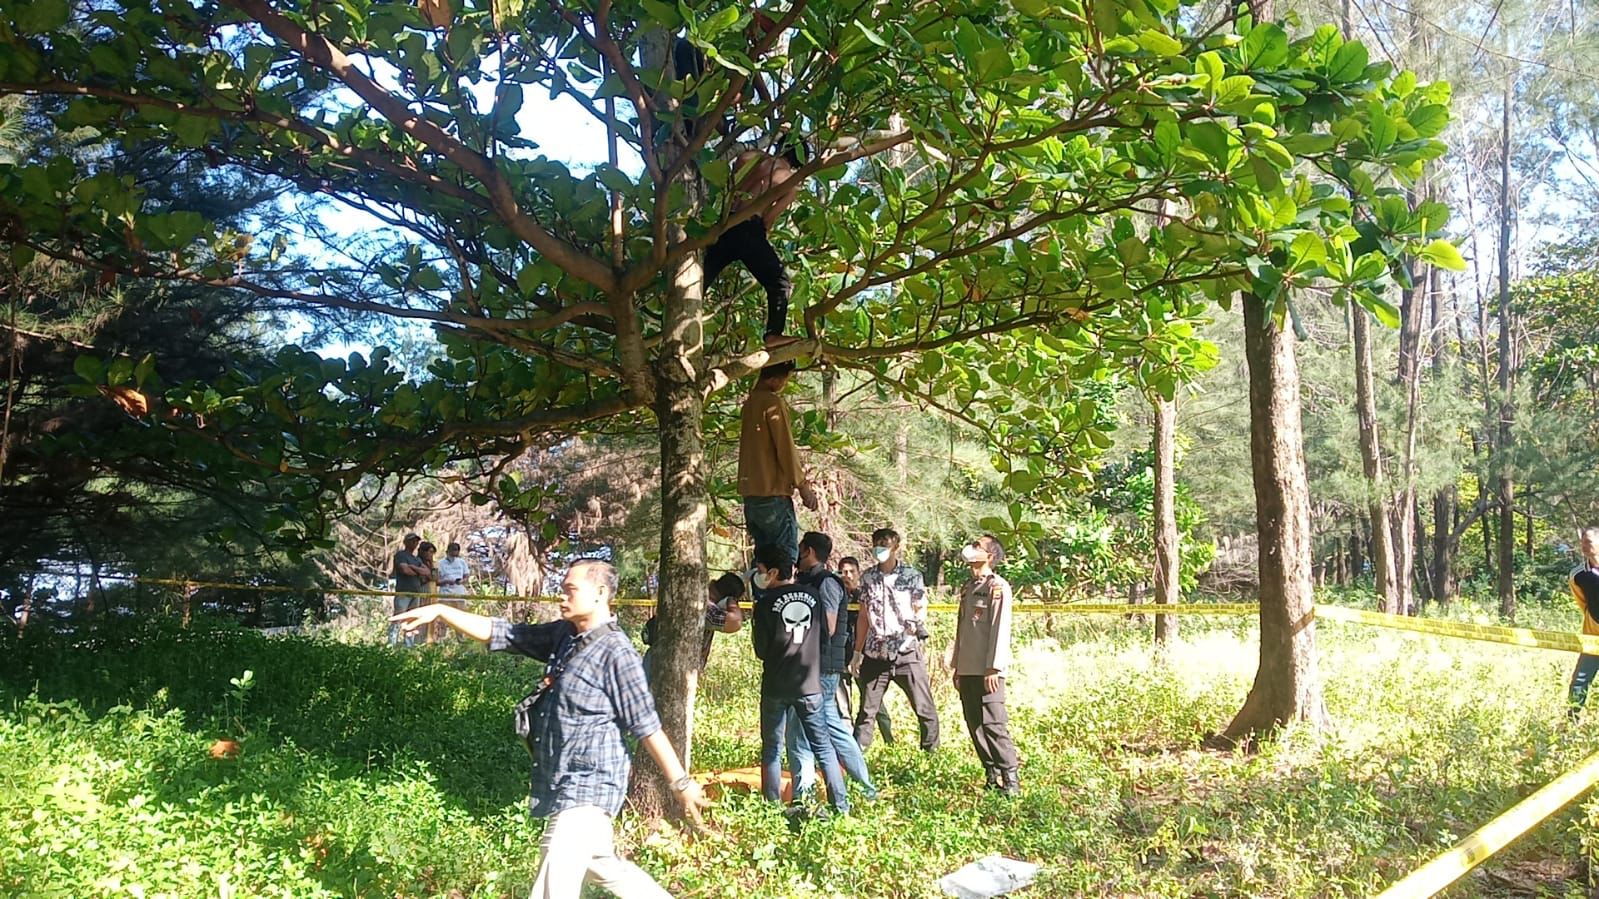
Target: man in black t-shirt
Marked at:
789, 629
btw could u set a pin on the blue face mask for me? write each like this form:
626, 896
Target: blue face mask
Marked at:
880, 553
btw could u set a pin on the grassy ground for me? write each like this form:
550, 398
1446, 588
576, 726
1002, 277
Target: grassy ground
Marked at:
368, 771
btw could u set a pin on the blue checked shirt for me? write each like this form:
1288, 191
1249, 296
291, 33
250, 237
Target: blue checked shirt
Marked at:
579, 757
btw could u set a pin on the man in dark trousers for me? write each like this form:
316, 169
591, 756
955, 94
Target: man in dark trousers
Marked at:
849, 571
889, 631
980, 657
1585, 589
591, 696
815, 549
789, 630
749, 242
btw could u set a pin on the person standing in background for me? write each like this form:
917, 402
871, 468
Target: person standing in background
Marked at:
1585, 590
407, 571
451, 573
980, 657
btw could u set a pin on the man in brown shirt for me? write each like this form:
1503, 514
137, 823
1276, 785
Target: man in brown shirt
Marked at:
980, 656
768, 465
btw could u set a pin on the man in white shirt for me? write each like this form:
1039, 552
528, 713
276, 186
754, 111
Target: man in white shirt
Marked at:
452, 572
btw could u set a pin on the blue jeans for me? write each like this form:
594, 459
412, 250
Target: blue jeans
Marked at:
1581, 678
774, 712
771, 521
802, 761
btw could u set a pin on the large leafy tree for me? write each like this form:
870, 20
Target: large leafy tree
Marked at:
1009, 229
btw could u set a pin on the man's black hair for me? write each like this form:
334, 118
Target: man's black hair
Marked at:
994, 548
728, 586
775, 558
819, 543
795, 150
888, 534
849, 560
776, 369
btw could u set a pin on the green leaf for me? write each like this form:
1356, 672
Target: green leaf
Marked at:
1107, 17
1167, 140
1348, 62
89, 368
1384, 311
665, 14
1264, 47
720, 22
1444, 255
1234, 89
40, 16
1159, 43
1132, 252
1210, 67
1429, 120
1212, 140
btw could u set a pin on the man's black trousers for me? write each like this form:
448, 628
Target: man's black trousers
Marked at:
910, 673
747, 243
987, 722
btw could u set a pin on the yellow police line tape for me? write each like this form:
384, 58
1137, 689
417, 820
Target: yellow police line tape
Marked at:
1077, 608
1514, 636
1444, 870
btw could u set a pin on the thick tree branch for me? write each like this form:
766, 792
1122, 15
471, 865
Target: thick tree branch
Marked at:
323, 54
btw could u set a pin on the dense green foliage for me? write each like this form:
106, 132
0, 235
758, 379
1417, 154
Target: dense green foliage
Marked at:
367, 771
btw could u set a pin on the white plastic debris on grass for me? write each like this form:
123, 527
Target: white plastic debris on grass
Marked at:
985, 878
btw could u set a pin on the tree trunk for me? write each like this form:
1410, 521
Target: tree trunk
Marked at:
1135, 599
1446, 502
1507, 412
1286, 684
1384, 570
1445, 548
680, 602
1357, 555
1168, 555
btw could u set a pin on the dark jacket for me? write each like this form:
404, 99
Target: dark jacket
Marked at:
835, 601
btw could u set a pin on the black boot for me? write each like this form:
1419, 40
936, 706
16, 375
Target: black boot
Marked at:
992, 779
1010, 782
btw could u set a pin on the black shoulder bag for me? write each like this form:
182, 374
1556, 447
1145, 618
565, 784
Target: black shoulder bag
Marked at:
522, 715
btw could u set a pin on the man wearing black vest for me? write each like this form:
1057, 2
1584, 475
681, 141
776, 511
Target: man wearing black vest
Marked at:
814, 550
789, 630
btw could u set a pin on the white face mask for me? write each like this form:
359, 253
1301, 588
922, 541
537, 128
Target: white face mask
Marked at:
970, 554
880, 553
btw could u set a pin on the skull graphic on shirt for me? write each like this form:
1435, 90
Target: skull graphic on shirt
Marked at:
796, 620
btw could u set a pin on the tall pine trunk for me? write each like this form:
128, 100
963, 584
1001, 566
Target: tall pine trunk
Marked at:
1168, 586
1377, 500
1506, 486
1286, 686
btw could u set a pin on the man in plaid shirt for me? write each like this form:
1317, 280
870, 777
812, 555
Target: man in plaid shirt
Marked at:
592, 693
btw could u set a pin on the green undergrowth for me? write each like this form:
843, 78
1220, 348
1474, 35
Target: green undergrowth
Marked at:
371, 771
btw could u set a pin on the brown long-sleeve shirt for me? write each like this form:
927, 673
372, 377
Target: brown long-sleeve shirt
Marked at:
768, 464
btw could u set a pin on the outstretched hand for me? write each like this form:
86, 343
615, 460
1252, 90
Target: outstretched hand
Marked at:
416, 619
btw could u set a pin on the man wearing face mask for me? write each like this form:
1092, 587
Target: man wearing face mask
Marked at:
980, 656
849, 571
815, 549
888, 640
790, 628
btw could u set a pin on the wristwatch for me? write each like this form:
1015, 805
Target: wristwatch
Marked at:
682, 783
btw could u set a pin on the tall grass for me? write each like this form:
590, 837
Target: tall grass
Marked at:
372, 771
